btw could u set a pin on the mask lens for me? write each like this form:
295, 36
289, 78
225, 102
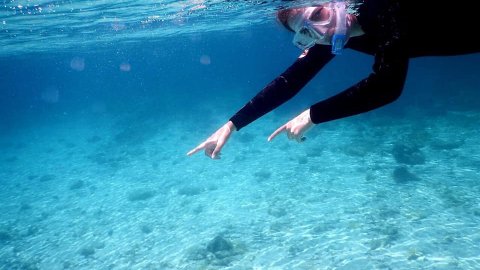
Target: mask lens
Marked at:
307, 33
321, 16
304, 38
317, 16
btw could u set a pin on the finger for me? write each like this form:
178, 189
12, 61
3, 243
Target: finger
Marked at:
196, 149
298, 136
290, 135
209, 151
222, 139
276, 132
220, 143
216, 152
216, 156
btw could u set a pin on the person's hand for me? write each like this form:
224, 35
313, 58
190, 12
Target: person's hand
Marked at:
295, 128
213, 145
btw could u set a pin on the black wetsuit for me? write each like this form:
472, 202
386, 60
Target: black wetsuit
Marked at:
394, 32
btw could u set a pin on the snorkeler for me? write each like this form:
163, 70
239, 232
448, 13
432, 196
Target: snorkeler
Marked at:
391, 31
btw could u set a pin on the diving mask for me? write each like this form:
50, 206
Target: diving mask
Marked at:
316, 31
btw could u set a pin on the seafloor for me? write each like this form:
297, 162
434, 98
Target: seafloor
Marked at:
105, 192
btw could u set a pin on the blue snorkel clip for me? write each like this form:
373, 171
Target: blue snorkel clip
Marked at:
338, 42
340, 36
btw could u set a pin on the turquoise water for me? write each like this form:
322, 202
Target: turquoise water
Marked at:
101, 101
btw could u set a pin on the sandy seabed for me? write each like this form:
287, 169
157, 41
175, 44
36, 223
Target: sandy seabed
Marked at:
120, 193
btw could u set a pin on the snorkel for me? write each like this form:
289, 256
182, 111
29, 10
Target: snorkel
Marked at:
340, 36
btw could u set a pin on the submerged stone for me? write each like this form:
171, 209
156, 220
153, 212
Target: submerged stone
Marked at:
47, 177
402, 175
407, 154
146, 229
262, 174
94, 139
302, 160
219, 244
190, 190
277, 211
87, 251
315, 151
5, 236
25, 206
141, 195
32, 177
446, 144
11, 159
77, 185
218, 252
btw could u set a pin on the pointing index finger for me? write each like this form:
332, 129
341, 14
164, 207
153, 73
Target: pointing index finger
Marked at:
196, 149
276, 132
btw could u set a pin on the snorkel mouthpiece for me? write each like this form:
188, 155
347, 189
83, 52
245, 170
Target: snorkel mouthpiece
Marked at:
340, 37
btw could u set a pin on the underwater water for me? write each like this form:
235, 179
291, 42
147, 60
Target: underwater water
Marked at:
101, 100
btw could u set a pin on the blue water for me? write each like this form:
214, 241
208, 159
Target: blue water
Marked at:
97, 116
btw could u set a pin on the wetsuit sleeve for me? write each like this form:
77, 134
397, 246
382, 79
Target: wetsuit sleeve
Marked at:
284, 87
383, 85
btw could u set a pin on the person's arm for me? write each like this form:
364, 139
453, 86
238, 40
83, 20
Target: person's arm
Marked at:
274, 94
284, 87
383, 85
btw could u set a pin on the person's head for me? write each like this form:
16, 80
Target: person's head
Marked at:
322, 24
